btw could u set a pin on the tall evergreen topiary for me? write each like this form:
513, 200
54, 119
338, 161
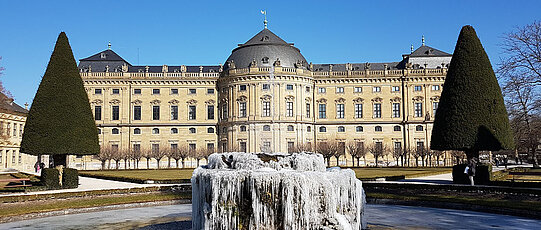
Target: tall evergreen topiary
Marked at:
471, 116
60, 121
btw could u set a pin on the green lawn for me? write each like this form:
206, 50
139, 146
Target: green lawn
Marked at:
176, 175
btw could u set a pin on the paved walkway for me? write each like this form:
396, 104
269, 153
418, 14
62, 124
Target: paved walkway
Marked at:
90, 184
378, 217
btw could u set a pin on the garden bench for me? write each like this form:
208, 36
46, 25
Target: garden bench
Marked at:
16, 180
519, 176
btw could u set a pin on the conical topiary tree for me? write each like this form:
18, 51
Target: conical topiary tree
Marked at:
471, 116
60, 121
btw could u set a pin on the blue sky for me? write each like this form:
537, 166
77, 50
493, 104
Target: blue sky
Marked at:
204, 32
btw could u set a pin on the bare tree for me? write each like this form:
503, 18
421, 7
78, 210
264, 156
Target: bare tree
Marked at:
458, 156
117, 156
328, 149
147, 154
438, 155
397, 153
158, 154
199, 154
357, 150
136, 155
302, 147
180, 153
378, 150
420, 152
340, 151
105, 154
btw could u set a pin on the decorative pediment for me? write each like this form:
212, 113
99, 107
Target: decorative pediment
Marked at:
266, 97
340, 100
418, 98
155, 102
242, 98
377, 99
290, 98
308, 99
396, 99
191, 102
210, 102
435, 98
322, 101
97, 102
114, 102
358, 100
137, 102
174, 102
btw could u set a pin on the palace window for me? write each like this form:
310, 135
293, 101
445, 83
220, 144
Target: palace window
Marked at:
174, 130
242, 109
137, 131
341, 129
435, 87
97, 91
307, 110
309, 129
242, 87
192, 130
339, 89
224, 112
210, 112
290, 146
99, 131
191, 112
266, 109
376, 89
192, 146
289, 109
137, 112
243, 128
397, 128
396, 109
290, 128
155, 91
192, 91
434, 108
289, 87
358, 110
358, 129
137, 147
242, 146
136, 91
307, 89
322, 129
115, 113
322, 111
265, 86
210, 91
418, 88
210, 147
377, 110
321, 90
419, 128
116, 91
358, 89
378, 128
97, 112
210, 130
340, 111
174, 91
174, 112
155, 148
265, 60
156, 112
418, 109
115, 131
266, 128
155, 131
174, 146
395, 89
398, 147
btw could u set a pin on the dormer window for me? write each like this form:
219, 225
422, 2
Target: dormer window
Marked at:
103, 56
265, 38
265, 60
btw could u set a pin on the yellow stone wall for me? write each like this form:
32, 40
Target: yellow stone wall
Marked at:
11, 132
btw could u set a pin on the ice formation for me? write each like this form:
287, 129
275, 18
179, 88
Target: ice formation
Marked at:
278, 191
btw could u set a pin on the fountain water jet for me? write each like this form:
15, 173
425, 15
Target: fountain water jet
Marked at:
275, 191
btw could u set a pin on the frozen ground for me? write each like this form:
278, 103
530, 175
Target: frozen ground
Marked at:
379, 217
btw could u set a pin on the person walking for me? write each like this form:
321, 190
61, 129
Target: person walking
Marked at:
471, 172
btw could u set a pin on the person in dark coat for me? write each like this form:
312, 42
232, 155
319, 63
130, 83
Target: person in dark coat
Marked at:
471, 172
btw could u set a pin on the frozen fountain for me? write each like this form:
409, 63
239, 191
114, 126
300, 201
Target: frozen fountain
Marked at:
275, 191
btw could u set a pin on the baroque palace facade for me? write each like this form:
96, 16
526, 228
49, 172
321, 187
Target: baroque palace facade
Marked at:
265, 98
12, 119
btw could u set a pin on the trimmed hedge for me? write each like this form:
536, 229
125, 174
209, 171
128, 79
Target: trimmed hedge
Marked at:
483, 173
49, 178
70, 178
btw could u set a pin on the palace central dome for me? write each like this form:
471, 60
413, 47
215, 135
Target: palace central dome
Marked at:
265, 49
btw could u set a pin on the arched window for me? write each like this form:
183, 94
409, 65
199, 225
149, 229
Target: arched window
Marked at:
378, 128
358, 129
192, 130
137, 131
115, 131
309, 129
174, 130
341, 129
419, 128
290, 128
99, 131
210, 130
266, 128
322, 129
155, 131
265, 60
243, 128
397, 128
